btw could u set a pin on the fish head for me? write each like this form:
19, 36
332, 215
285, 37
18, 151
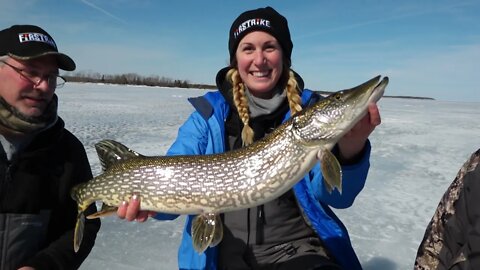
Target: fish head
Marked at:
329, 119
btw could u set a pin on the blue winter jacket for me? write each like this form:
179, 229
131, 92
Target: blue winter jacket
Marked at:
204, 133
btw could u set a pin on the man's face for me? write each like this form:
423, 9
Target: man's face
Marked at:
24, 84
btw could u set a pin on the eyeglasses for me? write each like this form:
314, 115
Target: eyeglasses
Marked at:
36, 78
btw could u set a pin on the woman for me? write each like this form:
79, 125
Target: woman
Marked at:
257, 92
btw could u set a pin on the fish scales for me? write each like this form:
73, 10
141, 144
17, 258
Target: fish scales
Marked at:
196, 184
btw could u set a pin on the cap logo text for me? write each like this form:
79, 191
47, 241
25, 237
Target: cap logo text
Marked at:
249, 23
39, 37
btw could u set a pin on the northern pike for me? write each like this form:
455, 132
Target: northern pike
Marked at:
207, 185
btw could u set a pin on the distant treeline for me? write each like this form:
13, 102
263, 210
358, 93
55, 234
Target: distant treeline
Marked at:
154, 80
132, 79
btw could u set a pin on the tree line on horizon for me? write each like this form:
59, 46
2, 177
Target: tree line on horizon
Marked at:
136, 79
155, 80
131, 79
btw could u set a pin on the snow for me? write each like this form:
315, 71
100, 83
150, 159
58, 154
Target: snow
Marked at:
417, 151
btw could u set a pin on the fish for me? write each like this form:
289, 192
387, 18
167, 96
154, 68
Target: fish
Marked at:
208, 185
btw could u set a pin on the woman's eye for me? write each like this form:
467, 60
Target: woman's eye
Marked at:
270, 48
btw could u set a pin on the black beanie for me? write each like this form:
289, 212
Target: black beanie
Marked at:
262, 19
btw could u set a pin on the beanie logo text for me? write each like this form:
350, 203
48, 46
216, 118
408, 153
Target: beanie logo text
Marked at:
27, 37
249, 23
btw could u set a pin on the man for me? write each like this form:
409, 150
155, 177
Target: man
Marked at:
40, 161
452, 238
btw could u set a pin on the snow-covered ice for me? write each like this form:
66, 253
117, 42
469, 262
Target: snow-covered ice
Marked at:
417, 151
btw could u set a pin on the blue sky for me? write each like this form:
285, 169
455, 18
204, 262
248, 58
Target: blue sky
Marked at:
427, 48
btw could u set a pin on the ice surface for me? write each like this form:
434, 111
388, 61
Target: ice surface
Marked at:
416, 153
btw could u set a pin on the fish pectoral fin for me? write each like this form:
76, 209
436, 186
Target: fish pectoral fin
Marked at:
207, 230
106, 210
331, 170
78, 234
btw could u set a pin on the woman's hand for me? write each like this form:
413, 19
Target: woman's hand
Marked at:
131, 210
351, 145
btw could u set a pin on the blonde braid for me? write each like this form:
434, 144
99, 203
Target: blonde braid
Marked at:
241, 102
293, 96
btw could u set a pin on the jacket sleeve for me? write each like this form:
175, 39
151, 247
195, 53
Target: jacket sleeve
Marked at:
191, 140
192, 137
353, 180
452, 235
59, 253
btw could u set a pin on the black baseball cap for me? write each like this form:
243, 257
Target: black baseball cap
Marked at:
25, 42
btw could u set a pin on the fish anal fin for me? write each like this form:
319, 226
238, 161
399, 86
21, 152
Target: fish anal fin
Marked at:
207, 230
105, 211
331, 170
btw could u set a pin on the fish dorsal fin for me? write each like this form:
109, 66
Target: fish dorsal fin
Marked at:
110, 152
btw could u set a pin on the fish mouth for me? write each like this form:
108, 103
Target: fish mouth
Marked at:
368, 92
378, 90
359, 97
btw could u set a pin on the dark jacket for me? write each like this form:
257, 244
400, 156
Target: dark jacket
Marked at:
37, 213
452, 238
